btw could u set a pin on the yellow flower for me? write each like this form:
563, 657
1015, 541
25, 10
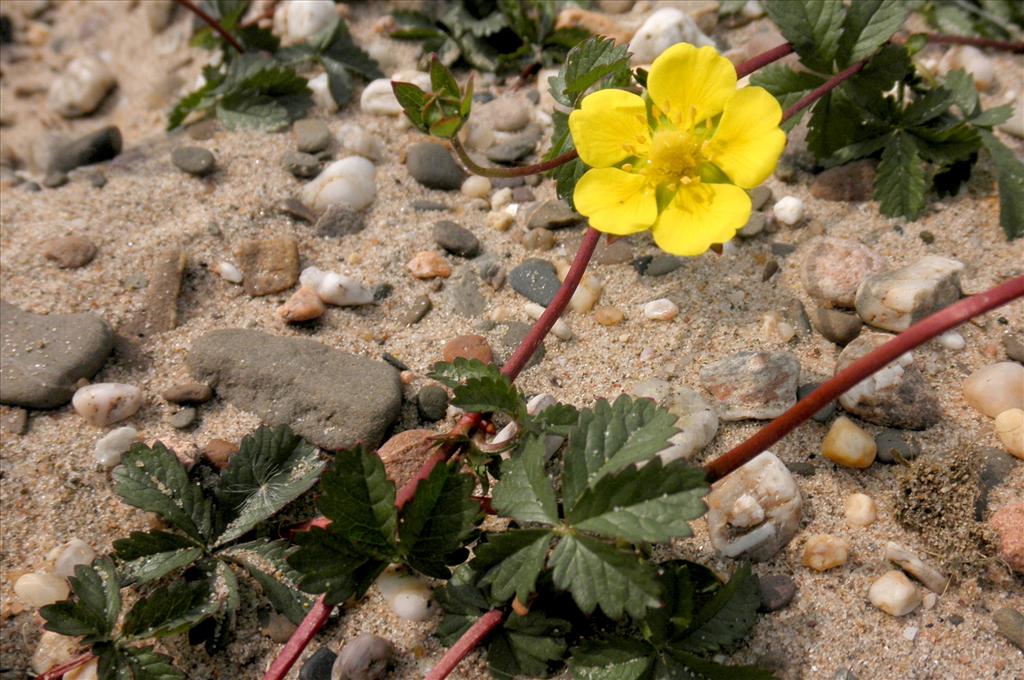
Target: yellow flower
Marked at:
676, 162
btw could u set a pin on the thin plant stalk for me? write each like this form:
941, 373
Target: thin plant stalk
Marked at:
212, 23
300, 639
57, 672
760, 61
820, 91
521, 171
1004, 45
469, 641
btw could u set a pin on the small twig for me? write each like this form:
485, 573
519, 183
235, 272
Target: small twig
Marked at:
473, 167
57, 672
763, 59
212, 23
918, 334
299, 640
820, 91
1005, 45
476, 634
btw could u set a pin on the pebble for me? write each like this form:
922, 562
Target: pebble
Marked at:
229, 272
560, 329
608, 316
894, 594
755, 511
195, 160
507, 113
515, 147
515, 333
113, 445
379, 99
55, 179
825, 412
432, 403
97, 179
1010, 429
52, 650
303, 305
660, 265
159, 312
322, 97
587, 293
277, 627
930, 576
79, 90
419, 308
661, 309
536, 280
618, 251
463, 294
350, 182
773, 328
848, 445
1010, 623
367, 657
183, 419
433, 166
851, 182
995, 388
523, 195
974, 61
106, 403
318, 666
952, 340
357, 140
539, 239
70, 252
455, 239
88, 671
995, 466
302, 165
295, 209
94, 147
1008, 523
859, 510
696, 420
892, 447
823, 552
331, 398
910, 632
894, 300
298, 20
268, 266
836, 326
1014, 346
553, 214
759, 385
896, 396
777, 591
832, 269
789, 210
476, 186
14, 421
468, 347
70, 555
501, 198
339, 220
428, 265
218, 452
660, 31
754, 226
311, 135
408, 596
499, 220
335, 289
38, 590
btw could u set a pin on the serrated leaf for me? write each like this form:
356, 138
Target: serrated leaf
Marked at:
786, 85
339, 82
835, 123
152, 479
413, 100
727, 617
245, 112
526, 645
598, 575
1010, 174
266, 562
488, 394
525, 492
946, 143
335, 43
224, 601
862, 149
147, 664
170, 610
462, 603
510, 562
899, 182
93, 612
151, 555
359, 499
994, 116
612, 658
456, 372
965, 94
610, 437
931, 104
813, 27
868, 25
568, 174
678, 664
437, 521
272, 468
653, 503
556, 419
332, 565
596, 61
189, 103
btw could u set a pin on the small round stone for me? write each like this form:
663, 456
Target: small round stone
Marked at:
539, 239
996, 388
229, 272
848, 445
432, 166
777, 591
823, 552
789, 210
894, 593
72, 554
302, 165
432, 403
195, 160
318, 666
38, 590
662, 309
365, 658
190, 392
183, 418
859, 510
112, 446
476, 186
311, 135
499, 220
70, 252
892, 446
468, 347
456, 239
304, 305
608, 316
1010, 623
106, 403
1010, 429
218, 452
429, 265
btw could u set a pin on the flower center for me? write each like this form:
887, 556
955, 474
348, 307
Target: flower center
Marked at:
674, 157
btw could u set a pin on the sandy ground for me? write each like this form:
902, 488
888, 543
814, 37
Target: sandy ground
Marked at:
52, 492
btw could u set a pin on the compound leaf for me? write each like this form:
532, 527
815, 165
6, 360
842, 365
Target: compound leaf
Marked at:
598, 575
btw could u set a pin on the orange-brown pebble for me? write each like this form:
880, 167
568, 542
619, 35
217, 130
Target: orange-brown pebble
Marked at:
406, 377
1009, 524
468, 347
608, 316
219, 452
429, 265
303, 305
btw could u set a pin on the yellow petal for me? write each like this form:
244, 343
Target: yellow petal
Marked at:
700, 216
610, 126
748, 142
616, 201
691, 84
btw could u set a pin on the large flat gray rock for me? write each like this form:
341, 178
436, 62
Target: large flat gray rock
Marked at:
333, 399
42, 356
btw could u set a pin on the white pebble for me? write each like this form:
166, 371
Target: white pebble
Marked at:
662, 309
378, 98
70, 555
359, 141
662, 30
789, 210
349, 182
587, 293
996, 388
972, 60
894, 593
408, 596
52, 650
336, 289
930, 600
910, 633
560, 328
87, 671
38, 590
1010, 429
113, 445
952, 340
107, 403
81, 88
229, 272
322, 96
823, 552
499, 221
501, 198
297, 20
859, 510
476, 186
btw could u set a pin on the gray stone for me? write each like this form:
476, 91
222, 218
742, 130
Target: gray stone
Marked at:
463, 294
183, 419
55, 179
338, 220
45, 355
14, 421
1014, 347
777, 591
297, 210
995, 466
760, 195
159, 311
833, 268
302, 165
838, 327
432, 166
311, 135
823, 414
365, 658
660, 265
553, 214
455, 239
536, 280
617, 252
204, 129
319, 665
432, 403
523, 195
1010, 623
894, 300
195, 160
759, 385
70, 252
771, 268
190, 392
844, 674
515, 333
516, 147
97, 179
754, 226
332, 398
268, 266
419, 309
893, 447
801, 468
95, 147
851, 182
780, 249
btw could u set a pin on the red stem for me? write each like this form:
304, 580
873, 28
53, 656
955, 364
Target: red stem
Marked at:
916, 335
820, 91
211, 22
476, 634
1009, 46
763, 59
299, 640
57, 672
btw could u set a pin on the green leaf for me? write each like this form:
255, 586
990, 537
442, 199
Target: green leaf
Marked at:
359, 499
93, 612
862, 149
835, 123
596, 61
900, 183
272, 468
994, 116
653, 503
525, 492
599, 575
558, 419
488, 394
332, 565
526, 645
339, 82
510, 562
246, 112
612, 658
928, 106
224, 602
151, 555
462, 603
265, 561
727, 617
813, 27
413, 101
679, 664
456, 372
610, 437
1010, 173
189, 103
442, 82
965, 95
786, 85
335, 44
438, 520
868, 25
568, 174
170, 610
445, 128
153, 480
146, 664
